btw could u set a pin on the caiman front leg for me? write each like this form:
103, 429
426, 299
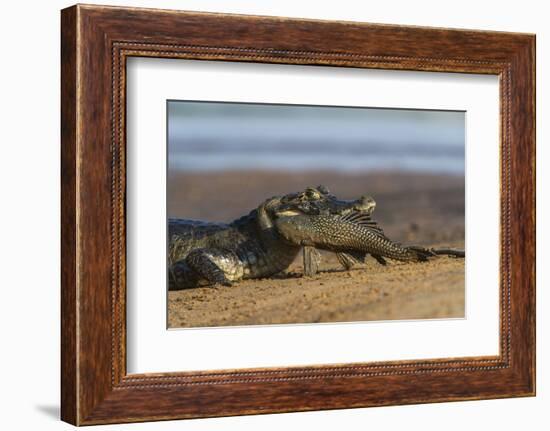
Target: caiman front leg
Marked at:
216, 266
206, 267
311, 258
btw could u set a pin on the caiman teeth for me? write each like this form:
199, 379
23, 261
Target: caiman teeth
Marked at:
289, 213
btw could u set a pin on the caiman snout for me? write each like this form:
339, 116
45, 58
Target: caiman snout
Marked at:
366, 204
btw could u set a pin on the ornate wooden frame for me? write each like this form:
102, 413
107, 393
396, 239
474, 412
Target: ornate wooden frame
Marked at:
95, 42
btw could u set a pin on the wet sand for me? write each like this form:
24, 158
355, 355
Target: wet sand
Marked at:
411, 208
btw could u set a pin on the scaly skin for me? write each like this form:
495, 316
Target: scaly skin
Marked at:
250, 247
210, 253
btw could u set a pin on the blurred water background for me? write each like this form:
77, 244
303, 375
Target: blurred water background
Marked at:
213, 136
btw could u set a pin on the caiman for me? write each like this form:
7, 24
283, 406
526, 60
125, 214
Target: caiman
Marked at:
203, 253
352, 236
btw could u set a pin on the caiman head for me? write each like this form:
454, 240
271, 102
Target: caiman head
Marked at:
274, 214
319, 201
313, 201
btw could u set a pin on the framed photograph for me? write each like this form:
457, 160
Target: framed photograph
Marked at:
263, 214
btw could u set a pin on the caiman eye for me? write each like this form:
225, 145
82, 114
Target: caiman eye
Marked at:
312, 194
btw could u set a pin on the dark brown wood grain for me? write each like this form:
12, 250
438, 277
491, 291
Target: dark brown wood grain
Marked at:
96, 41
68, 217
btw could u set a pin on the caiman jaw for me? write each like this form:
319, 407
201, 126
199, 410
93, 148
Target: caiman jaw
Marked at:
365, 205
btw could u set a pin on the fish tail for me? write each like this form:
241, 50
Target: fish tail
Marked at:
454, 252
420, 254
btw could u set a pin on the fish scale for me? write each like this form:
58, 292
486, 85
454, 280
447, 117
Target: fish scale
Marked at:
346, 234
